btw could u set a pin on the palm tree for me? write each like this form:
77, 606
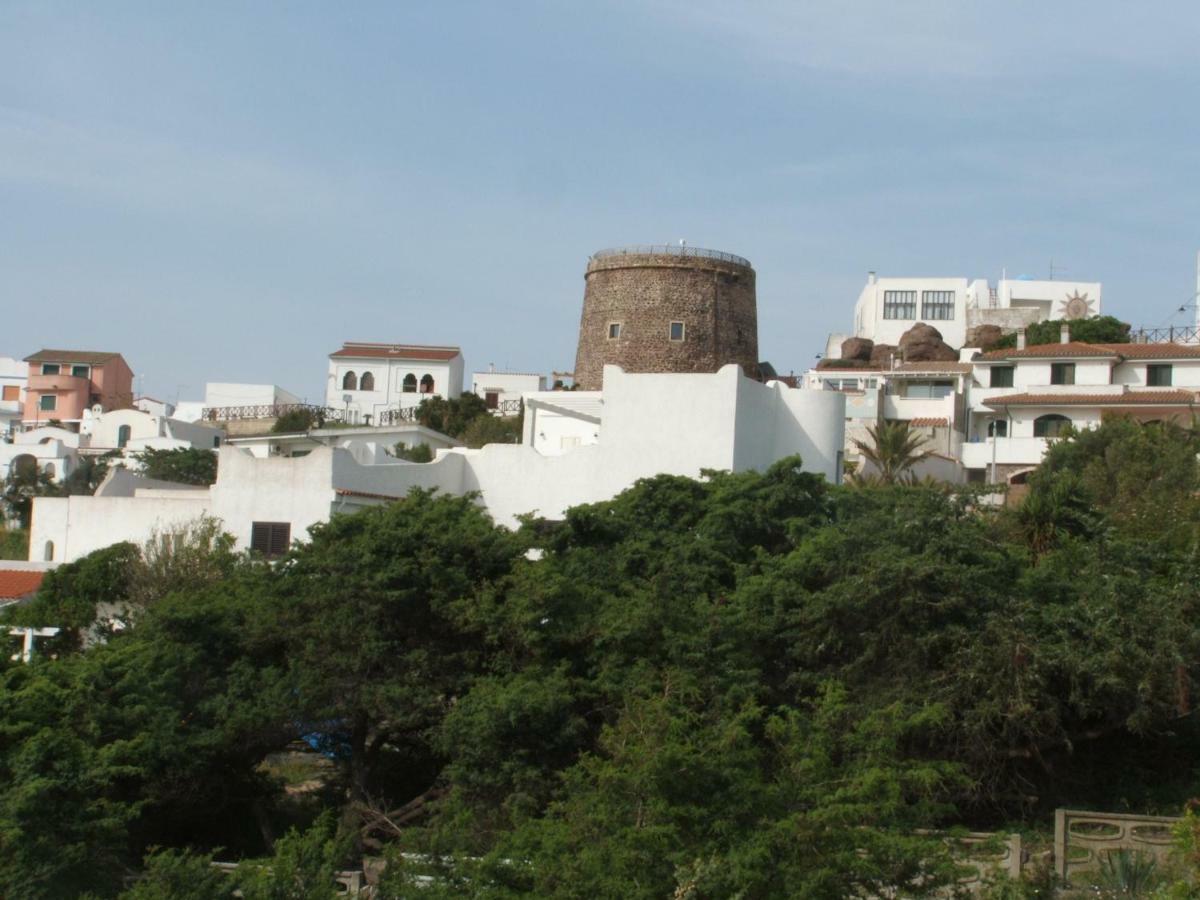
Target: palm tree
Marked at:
893, 450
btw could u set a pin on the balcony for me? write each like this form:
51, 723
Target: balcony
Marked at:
1023, 451
908, 408
50, 384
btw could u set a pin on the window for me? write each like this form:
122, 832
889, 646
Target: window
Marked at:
81, 371
614, 330
123, 434
937, 305
899, 304
926, 390
367, 383
1050, 426
48, 403
676, 331
1062, 373
271, 539
349, 382
48, 551
492, 399
50, 368
409, 385
1158, 375
1002, 376
998, 428
12, 392
426, 383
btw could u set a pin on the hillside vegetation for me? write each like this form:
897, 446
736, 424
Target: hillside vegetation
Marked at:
751, 685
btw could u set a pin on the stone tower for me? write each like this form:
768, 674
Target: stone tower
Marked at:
666, 309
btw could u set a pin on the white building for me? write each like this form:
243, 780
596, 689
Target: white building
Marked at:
14, 375
56, 451
369, 383
220, 396
1020, 399
888, 307
368, 445
648, 424
502, 391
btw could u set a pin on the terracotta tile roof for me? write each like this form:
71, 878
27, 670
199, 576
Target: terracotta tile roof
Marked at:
346, 492
1044, 351
1078, 349
927, 422
354, 350
18, 583
87, 357
1125, 398
960, 368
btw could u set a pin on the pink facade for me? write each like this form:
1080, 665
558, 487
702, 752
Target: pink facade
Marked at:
63, 383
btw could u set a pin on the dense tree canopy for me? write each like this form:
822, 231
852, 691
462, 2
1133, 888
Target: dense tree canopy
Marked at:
187, 465
749, 684
1096, 330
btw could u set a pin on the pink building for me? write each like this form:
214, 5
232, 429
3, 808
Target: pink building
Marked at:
63, 383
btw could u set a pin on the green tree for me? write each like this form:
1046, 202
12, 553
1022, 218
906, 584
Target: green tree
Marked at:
418, 453
186, 465
451, 416
489, 429
372, 611
1096, 330
893, 450
294, 420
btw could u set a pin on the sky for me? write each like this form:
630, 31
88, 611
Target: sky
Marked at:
227, 191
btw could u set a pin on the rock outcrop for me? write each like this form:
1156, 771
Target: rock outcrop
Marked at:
923, 343
857, 348
984, 336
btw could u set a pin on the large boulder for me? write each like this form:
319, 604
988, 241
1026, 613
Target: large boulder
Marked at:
857, 348
881, 356
984, 336
923, 343
843, 364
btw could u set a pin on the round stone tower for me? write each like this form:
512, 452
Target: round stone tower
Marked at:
666, 309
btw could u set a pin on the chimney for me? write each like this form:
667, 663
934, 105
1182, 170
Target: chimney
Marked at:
1064, 333
870, 278
1020, 338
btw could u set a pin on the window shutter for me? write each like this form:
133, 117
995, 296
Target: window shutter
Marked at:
271, 539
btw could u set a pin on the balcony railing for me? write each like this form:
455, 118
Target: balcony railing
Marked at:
397, 416
671, 250
267, 411
1175, 334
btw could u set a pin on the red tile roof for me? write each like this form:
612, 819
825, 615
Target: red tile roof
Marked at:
18, 583
88, 357
927, 422
1077, 349
395, 351
1125, 398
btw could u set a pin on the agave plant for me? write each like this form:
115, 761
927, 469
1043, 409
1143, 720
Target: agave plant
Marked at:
1129, 873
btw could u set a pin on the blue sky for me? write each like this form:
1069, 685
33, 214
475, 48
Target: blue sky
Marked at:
226, 191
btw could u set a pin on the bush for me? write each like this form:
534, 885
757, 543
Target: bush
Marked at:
14, 544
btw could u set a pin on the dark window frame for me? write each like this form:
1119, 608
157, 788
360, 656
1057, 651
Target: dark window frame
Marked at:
938, 306
682, 332
900, 305
51, 369
1155, 373
1006, 373
270, 539
1050, 425
409, 384
52, 399
1062, 373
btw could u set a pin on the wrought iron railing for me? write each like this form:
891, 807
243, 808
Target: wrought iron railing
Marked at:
671, 250
1181, 334
510, 407
396, 416
267, 411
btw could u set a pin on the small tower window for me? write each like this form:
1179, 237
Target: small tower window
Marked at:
123, 435
676, 331
409, 385
349, 382
614, 330
367, 383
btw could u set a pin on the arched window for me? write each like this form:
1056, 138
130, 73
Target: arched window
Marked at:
24, 467
410, 383
349, 382
1051, 425
48, 551
367, 383
427, 384
123, 435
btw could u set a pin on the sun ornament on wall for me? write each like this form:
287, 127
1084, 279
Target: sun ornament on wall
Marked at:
1076, 306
